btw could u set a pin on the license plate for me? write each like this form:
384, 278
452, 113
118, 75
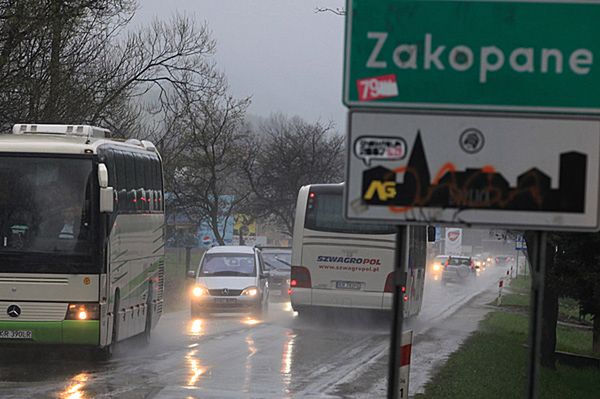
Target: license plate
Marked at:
225, 300
275, 292
16, 334
348, 285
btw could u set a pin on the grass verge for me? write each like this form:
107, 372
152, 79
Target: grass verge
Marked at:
492, 364
518, 297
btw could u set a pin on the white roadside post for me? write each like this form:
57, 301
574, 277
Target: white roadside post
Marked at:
404, 364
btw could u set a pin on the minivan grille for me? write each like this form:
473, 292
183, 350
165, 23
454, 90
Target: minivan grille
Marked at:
225, 292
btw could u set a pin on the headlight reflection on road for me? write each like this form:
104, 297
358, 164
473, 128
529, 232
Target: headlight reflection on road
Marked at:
250, 321
196, 327
286, 358
75, 388
195, 368
251, 352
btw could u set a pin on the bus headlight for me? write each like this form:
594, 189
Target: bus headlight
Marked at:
83, 311
251, 291
437, 267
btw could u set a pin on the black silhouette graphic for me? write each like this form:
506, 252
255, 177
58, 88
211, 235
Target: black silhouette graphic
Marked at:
483, 188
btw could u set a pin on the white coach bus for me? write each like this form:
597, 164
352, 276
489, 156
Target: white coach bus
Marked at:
336, 263
81, 237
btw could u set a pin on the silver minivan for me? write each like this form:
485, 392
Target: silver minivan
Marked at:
230, 279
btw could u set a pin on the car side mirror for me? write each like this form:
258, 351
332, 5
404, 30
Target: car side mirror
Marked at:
191, 274
266, 274
430, 233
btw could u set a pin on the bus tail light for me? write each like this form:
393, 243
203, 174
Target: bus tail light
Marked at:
300, 277
389, 283
83, 311
389, 286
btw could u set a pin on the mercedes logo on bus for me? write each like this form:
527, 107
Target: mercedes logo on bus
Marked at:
13, 311
225, 292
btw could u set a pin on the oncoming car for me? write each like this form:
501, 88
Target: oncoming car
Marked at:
437, 265
230, 279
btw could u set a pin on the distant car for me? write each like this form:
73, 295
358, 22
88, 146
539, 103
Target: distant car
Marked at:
278, 261
480, 262
230, 279
458, 269
503, 260
437, 265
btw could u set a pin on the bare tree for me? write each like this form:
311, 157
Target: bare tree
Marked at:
72, 61
204, 172
290, 153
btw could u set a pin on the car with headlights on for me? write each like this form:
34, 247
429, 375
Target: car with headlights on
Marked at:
278, 261
230, 279
437, 265
479, 262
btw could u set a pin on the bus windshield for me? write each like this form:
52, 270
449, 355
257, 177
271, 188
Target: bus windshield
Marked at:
325, 213
44, 209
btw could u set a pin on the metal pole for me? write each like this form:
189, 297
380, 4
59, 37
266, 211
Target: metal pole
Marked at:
401, 264
538, 267
517, 276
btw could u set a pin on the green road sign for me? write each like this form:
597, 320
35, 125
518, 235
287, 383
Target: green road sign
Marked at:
523, 56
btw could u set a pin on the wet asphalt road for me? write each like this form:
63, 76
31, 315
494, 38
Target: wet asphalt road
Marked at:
236, 356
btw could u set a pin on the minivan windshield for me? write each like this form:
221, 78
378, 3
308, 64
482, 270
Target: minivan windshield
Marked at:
228, 265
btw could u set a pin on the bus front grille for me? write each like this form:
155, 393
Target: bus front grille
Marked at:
34, 311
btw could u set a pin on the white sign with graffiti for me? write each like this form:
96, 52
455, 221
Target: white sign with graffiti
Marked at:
530, 173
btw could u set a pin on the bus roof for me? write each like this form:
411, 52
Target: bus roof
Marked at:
63, 144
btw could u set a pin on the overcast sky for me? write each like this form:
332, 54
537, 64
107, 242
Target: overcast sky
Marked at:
280, 52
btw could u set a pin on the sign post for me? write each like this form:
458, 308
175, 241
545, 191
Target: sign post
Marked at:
395, 383
455, 122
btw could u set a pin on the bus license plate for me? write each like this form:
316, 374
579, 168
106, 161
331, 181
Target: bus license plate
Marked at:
16, 334
348, 285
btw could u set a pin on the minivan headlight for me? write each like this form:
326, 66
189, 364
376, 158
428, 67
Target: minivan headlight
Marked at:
250, 291
198, 291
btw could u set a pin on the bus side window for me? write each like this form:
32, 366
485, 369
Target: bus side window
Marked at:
131, 186
112, 176
148, 183
138, 178
121, 182
158, 184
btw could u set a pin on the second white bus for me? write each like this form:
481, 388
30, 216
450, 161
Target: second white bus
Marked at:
338, 264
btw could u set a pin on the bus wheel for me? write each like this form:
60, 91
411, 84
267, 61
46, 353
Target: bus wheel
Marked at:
106, 352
